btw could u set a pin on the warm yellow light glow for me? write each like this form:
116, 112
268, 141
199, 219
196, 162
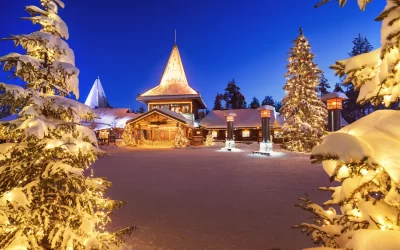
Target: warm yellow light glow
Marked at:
364, 171
265, 113
230, 118
334, 103
9, 196
246, 133
357, 213
387, 98
344, 171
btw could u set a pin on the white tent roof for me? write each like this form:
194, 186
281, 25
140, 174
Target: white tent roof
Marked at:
97, 97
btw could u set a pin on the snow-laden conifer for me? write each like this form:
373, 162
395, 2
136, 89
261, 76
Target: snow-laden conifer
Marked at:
364, 209
180, 140
303, 111
46, 201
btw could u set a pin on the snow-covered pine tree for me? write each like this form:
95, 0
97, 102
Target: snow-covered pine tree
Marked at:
352, 111
209, 139
254, 104
180, 140
233, 97
363, 157
128, 136
323, 86
46, 201
303, 111
218, 101
268, 100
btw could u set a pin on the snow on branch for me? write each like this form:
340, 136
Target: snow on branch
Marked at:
376, 74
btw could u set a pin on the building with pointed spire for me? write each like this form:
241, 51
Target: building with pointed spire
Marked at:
172, 104
173, 92
97, 97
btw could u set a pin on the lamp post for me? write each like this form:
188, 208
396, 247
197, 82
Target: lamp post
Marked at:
334, 104
229, 142
265, 144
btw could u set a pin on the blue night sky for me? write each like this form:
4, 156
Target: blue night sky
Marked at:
128, 42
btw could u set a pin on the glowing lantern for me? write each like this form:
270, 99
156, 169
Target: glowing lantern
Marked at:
334, 104
230, 142
265, 144
265, 113
230, 117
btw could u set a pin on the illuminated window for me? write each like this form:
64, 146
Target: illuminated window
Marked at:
246, 133
214, 133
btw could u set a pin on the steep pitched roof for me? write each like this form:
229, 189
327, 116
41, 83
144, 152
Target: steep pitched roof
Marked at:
166, 112
97, 98
245, 118
173, 81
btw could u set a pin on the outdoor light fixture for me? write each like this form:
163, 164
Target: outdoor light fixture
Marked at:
266, 113
265, 144
229, 142
334, 102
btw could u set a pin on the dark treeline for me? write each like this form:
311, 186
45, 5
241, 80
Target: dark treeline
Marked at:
233, 98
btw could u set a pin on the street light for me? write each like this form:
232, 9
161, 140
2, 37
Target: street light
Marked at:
265, 144
334, 104
229, 142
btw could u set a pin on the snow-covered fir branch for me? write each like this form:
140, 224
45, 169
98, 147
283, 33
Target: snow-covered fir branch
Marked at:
46, 199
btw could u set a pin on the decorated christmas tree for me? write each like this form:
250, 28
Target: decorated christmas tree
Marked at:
180, 140
209, 139
303, 111
46, 201
128, 136
363, 157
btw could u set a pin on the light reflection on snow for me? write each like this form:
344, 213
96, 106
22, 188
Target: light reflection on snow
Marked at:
233, 150
272, 154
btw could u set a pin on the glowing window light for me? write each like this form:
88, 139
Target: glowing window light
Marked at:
246, 133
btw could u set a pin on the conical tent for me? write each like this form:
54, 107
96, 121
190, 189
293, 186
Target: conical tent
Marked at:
97, 98
173, 81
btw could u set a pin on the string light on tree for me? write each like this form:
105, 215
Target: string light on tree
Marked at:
46, 201
363, 156
303, 111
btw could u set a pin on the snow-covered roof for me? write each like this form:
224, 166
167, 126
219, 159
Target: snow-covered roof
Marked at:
97, 96
111, 118
176, 116
173, 81
245, 118
332, 95
173, 84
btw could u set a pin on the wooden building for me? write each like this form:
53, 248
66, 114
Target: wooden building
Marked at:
160, 125
174, 93
171, 104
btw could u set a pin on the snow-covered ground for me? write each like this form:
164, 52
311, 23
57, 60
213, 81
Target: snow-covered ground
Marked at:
200, 198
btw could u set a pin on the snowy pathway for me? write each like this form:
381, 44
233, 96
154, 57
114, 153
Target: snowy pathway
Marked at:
204, 199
